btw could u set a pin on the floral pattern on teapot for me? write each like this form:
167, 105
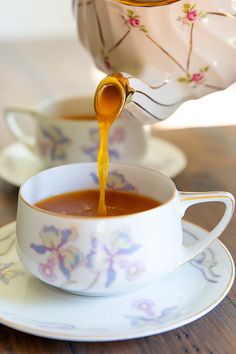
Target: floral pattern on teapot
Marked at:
191, 14
131, 40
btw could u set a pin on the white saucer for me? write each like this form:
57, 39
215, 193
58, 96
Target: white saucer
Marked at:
164, 156
183, 296
17, 163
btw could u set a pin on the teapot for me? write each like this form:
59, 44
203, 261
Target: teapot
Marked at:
162, 52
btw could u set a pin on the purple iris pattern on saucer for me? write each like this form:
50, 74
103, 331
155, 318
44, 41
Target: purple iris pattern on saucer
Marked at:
205, 262
146, 312
42, 324
9, 271
116, 181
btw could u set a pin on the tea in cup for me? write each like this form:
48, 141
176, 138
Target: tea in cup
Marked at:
66, 131
139, 242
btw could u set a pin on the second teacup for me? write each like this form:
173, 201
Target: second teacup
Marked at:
67, 131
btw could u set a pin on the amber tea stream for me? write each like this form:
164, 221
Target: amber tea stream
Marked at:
110, 97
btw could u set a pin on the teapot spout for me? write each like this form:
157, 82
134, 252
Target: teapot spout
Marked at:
148, 104
151, 104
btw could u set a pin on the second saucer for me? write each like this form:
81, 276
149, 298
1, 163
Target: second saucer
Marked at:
18, 163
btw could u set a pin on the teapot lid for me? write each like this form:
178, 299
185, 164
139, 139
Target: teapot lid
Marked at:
147, 3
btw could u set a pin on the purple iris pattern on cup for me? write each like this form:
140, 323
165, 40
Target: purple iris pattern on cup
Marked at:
116, 181
113, 250
57, 244
114, 255
147, 313
53, 143
116, 137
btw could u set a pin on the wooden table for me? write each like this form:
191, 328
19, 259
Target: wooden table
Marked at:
30, 72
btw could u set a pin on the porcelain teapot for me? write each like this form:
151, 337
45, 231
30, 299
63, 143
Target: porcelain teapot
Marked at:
169, 51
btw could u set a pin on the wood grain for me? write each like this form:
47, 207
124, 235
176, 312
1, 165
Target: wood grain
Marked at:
30, 72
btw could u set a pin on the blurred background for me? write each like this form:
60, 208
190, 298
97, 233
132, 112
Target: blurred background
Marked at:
39, 24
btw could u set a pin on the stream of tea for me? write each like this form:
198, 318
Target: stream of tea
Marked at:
109, 101
108, 106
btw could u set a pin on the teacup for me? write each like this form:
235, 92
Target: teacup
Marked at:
108, 255
59, 141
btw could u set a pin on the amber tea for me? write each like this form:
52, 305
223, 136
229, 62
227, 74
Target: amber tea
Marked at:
85, 203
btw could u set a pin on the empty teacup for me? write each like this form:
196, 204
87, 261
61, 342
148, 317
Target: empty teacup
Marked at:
92, 255
66, 131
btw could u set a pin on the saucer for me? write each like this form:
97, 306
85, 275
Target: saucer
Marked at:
188, 293
18, 163
164, 157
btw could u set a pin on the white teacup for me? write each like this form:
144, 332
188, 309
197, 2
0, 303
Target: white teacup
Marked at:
108, 255
59, 141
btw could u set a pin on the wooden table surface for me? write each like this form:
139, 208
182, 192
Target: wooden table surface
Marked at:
30, 72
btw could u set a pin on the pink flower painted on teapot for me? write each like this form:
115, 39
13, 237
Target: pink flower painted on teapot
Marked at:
134, 22
146, 43
197, 77
191, 14
132, 19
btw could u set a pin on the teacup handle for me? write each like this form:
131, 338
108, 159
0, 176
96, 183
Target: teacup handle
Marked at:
16, 130
189, 199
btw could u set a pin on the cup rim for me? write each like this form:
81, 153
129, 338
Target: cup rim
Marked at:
80, 217
61, 99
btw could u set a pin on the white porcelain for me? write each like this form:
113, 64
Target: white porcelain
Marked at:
182, 51
59, 141
185, 295
18, 163
108, 255
164, 157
